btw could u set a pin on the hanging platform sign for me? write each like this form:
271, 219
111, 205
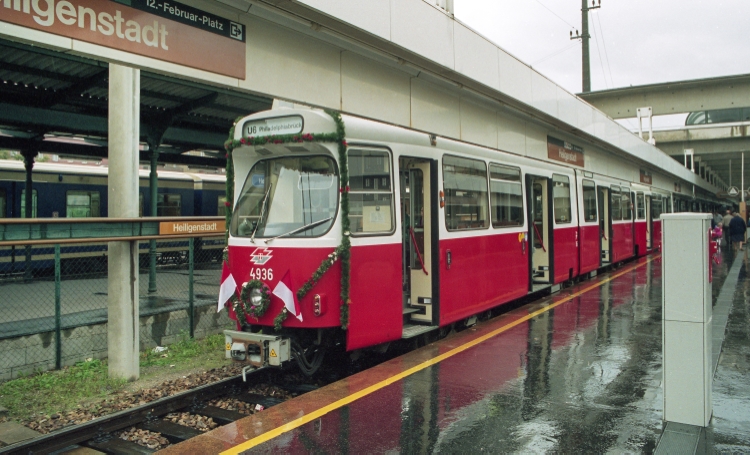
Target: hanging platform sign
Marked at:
646, 177
566, 152
164, 30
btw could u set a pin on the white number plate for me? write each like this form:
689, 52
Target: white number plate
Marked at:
261, 274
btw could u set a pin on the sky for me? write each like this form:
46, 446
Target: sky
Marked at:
633, 42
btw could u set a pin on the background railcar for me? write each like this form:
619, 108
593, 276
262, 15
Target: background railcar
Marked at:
80, 191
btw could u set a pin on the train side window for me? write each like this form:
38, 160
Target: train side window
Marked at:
589, 201
221, 206
616, 213
656, 207
465, 186
640, 205
82, 204
370, 192
3, 202
627, 213
561, 197
506, 196
168, 204
33, 203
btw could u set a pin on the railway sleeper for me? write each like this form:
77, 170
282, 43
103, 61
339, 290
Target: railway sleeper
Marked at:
117, 446
174, 432
220, 416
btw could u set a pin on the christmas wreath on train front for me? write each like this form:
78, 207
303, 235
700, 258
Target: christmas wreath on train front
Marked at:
341, 253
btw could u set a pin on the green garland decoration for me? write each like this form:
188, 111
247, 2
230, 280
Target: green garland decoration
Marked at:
280, 318
256, 311
342, 252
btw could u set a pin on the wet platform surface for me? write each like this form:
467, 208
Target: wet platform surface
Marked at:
577, 372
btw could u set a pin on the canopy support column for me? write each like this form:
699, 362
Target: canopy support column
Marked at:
123, 296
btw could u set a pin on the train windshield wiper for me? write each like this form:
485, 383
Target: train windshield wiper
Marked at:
300, 229
262, 212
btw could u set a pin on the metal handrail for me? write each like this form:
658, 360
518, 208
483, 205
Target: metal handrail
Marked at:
538, 236
140, 219
416, 248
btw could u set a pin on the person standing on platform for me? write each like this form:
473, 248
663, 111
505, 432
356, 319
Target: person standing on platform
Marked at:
725, 223
718, 219
737, 230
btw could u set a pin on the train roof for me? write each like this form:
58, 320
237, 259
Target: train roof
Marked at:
103, 170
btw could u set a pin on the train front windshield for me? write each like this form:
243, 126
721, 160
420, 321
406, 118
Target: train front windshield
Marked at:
288, 197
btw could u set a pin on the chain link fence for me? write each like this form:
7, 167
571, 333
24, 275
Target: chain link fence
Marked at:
53, 300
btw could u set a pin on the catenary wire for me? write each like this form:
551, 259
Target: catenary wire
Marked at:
549, 56
599, 52
606, 55
547, 8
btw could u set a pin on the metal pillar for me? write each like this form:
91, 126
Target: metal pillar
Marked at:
28, 163
154, 187
58, 311
191, 292
686, 318
123, 299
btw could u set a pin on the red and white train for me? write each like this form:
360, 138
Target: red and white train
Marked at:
441, 231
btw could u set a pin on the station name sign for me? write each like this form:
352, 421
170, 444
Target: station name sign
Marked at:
646, 177
164, 30
191, 227
566, 152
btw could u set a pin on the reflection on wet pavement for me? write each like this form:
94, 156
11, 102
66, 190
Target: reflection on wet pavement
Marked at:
583, 377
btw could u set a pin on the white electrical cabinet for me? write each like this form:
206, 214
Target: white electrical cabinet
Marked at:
686, 318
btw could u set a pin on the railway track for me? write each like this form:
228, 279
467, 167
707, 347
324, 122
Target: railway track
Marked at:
99, 434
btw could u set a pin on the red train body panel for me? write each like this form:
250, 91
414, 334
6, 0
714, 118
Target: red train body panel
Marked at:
641, 231
589, 248
566, 253
375, 312
465, 289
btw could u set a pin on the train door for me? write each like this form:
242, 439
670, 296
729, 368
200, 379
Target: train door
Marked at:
649, 225
605, 224
419, 221
539, 193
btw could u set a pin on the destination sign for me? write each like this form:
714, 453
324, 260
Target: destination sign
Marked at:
646, 177
273, 126
179, 12
566, 152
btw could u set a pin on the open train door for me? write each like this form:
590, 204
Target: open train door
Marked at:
605, 223
539, 206
419, 211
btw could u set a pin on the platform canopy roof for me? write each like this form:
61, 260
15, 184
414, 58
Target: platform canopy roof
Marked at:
54, 102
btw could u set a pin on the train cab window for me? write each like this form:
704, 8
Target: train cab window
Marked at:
627, 213
82, 204
465, 185
506, 196
221, 206
33, 203
288, 197
640, 206
371, 193
616, 199
589, 201
3, 203
168, 204
561, 197
657, 204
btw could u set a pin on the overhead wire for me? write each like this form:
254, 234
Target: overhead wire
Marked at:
549, 56
556, 15
606, 55
601, 62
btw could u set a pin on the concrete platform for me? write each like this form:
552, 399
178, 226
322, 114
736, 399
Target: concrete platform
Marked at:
578, 372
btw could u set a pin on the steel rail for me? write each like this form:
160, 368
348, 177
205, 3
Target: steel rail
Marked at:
106, 424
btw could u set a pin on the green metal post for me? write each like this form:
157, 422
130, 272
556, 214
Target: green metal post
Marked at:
191, 294
58, 315
153, 185
28, 162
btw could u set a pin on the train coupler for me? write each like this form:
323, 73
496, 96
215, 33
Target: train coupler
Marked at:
257, 350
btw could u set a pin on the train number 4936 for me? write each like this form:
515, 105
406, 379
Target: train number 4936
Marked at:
261, 274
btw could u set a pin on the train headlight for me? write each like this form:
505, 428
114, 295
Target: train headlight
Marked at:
255, 297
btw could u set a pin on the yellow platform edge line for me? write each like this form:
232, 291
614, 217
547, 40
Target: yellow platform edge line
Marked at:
267, 436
